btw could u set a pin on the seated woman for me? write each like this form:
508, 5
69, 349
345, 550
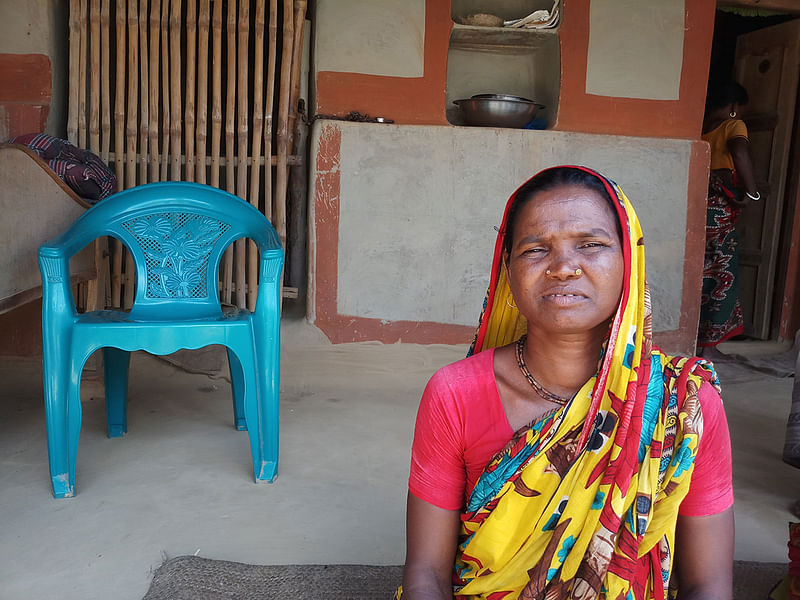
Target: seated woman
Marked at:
569, 457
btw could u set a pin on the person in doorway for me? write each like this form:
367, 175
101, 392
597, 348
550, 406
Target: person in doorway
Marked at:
568, 456
731, 185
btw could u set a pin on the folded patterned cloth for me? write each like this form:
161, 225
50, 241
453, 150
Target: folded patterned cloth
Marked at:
80, 169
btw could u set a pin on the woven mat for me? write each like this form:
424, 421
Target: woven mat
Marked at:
195, 578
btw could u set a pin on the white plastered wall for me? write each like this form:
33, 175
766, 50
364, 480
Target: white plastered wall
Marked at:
418, 208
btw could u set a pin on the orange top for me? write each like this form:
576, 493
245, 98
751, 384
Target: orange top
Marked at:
718, 138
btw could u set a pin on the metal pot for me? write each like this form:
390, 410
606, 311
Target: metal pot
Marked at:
498, 110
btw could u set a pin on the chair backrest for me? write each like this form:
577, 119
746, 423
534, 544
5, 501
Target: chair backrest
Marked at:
176, 233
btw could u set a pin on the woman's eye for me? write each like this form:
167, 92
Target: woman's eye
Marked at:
592, 245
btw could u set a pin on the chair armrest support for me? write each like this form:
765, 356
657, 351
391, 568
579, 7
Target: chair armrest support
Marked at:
56, 287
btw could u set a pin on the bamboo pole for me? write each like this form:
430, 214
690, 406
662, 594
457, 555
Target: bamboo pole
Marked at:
132, 108
297, 64
105, 87
216, 92
282, 171
94, 77
165, 116
230, 109
175, 86
272, 50
258, 135
216, 107
155, 39
144, 87
119, 144
191, 68
201, 132
82, 77
74, 66
131, 127
93, 285
241, 150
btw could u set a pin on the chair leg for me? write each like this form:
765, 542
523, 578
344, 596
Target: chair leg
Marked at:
116, 364
63, 416
263, 413
238, 387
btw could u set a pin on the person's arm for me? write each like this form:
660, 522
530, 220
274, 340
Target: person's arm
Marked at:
704, 557
431, 540
739, 148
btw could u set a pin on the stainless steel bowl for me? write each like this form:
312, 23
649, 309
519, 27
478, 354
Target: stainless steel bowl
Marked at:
498, 110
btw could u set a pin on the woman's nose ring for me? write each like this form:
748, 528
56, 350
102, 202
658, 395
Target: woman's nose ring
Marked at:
578, 272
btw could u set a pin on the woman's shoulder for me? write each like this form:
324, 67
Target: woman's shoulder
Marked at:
479, 366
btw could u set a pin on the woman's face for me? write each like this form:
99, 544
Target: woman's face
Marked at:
557, 232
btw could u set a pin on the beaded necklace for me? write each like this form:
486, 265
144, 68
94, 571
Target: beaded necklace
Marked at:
538, 387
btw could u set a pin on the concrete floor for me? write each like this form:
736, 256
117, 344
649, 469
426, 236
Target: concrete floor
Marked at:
180, 482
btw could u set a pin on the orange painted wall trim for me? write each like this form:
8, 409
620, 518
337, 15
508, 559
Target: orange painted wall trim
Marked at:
25, 78
347, 328
682, 118
413, 100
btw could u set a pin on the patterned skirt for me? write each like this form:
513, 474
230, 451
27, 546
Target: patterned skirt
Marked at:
720, 310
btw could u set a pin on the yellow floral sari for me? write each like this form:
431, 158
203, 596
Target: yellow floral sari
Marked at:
583, 504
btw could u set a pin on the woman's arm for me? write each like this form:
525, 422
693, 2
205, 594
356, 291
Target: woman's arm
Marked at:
704, 557
431, 540
739, 148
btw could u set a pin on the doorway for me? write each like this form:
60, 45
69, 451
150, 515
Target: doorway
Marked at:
762, 52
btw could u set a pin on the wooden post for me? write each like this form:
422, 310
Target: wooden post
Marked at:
282, 172
128, 281
230, 111
175, 86
202, 90
272, 51
216, 92
297, 64
165, 95
191, 69
74, 66
105, 87
119, 145
94, 77
155, 39
241, 150
258, 131
82, 78
144, 87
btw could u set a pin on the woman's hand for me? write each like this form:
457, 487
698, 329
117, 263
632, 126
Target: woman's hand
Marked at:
704, 557
739, 148
431, 540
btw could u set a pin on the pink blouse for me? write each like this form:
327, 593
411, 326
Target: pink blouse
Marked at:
461, 424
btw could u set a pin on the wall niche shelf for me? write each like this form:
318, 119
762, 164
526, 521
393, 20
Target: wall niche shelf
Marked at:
503, 60
469, 36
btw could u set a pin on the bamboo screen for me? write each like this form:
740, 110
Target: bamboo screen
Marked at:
192, 90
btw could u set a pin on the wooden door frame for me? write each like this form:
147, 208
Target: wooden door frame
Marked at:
789, 322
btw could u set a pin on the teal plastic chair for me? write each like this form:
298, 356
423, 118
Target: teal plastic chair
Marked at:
176, 233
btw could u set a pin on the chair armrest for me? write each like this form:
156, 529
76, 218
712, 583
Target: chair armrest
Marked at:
269, 288
56, 287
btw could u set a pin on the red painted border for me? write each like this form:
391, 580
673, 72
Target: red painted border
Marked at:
682, 118
346, 328
412, 100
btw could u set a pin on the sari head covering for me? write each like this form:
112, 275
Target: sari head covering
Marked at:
583, 504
